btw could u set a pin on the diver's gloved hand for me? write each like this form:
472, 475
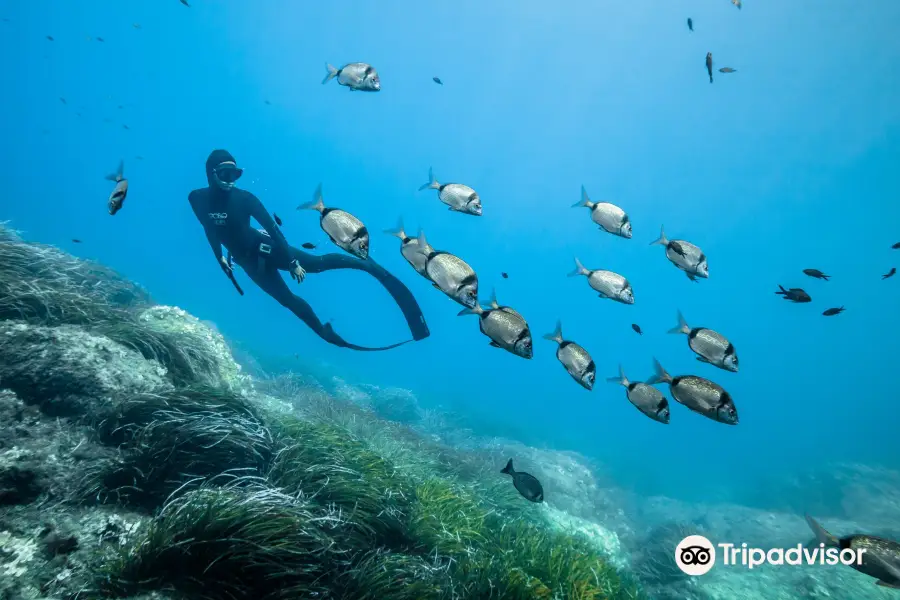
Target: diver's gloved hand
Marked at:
298, 273
226, 266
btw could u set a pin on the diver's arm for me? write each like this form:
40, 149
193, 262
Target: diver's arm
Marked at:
262, 216
211, 235
214, 243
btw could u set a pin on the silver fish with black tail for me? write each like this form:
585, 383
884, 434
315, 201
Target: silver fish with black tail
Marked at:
355, 76
409, 248
880, 557
684, 255
120, 192
609, 217
346, 231
574, 358
606, 283
644, 397
698, 394
711, 347
506, 328
460, 198
450, 274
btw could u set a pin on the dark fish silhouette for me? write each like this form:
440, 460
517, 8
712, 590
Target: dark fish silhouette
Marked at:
309, 246
833, 311
727, 70
50, 37
889, 273
815, 273
139, 157
690, 24
76, 241
896, 246
794, 294
185, 3
880, 556
637, 328
63, 100
277, 219
125, 126
136, 25
526, 484
268, 103
100, 39
437, 80
709, 64
504, 275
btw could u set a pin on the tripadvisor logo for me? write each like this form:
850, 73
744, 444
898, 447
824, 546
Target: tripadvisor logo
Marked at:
696, 555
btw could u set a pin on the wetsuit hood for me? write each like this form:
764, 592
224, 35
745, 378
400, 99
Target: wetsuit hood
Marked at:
216, 157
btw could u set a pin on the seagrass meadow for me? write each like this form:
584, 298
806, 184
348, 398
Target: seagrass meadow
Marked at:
138, 459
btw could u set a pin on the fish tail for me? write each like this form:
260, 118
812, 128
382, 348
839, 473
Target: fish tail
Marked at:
423, 248
317, 203
781, 291
332, 73
661, 376
432, 182
585, 201
508, 469
398, 231
683, 327
826, 277
494, 303
822, 536
475, 310
621, 379
119, 175
579, 269
556, 336
662, 240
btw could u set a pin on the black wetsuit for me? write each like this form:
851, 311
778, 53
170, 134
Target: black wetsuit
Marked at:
225, 217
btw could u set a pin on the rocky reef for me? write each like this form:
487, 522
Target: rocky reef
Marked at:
139, 460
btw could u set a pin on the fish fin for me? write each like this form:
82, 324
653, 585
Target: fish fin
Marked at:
660, 376
585, 201
682, 325
662, 240
556, 336
881, 583
691, 276
437, 287
621, 379
423, 248
398, 232
119, 175
495, 344
432, 182
477, 310
579, 269
822, 536
704, 360
603, 296
317, 203
332, 73
508, 469
494, 299
781, 289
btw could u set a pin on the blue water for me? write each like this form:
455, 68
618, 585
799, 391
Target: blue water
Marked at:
789, 163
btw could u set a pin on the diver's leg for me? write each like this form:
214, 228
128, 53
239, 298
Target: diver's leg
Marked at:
400, 293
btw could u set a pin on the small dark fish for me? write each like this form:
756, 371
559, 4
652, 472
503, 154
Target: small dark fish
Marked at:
709, 65
125, 126
50, 38
100, 39
78, 114
185, 3
794, 294
268, 103
76, 241
504, 275
120, 107
690, 24
136, 25
637, 328
139, 157
727, 70
737, 3
309, 245
896, 246
277, 219
437, 80
816, 274
889, 273
63, 100
526, 484
833, 311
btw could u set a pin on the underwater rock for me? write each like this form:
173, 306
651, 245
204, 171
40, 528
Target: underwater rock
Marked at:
19, 479
69, 372
206, 344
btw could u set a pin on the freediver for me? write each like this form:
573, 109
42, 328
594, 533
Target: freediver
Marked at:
225, 210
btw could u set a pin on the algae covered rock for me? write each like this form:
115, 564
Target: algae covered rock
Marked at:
67, 371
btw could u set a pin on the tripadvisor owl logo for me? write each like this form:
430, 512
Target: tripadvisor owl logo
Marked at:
695, 555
